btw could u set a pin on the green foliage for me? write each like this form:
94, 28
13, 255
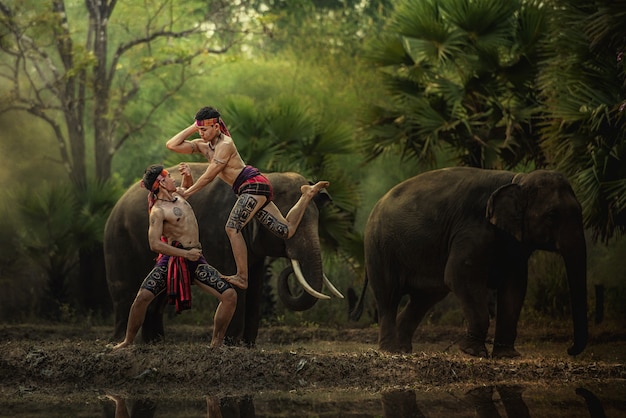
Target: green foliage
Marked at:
83, 70
452, 75
321, 30
607, 267
583, 88
95, 202
54, 223
20, 283
46, 232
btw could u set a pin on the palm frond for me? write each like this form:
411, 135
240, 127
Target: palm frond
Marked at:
388, 50
486, 23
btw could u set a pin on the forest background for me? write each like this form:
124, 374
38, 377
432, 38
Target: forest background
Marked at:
362, 93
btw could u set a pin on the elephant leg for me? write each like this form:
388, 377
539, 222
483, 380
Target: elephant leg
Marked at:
121, 308
152, 329
466, 274
412, 314
387, 303
254, 295
473, 343
511, 294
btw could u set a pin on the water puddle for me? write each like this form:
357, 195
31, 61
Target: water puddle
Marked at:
569, 400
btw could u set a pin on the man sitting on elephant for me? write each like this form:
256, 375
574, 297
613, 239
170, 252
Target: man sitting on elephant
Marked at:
253, 189
173, 233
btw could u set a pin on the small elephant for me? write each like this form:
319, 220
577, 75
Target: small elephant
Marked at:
469, 230
129, 259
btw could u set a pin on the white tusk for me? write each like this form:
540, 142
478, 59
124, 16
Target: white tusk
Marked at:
332, 288
303, 282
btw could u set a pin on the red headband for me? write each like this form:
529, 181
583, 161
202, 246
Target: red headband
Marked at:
161, 176
151, 196
207, 122
212, 121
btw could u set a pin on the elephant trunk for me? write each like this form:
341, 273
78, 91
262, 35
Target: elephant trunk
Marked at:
575, 257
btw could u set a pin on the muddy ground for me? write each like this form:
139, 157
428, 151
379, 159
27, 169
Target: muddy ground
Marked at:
54, 361
48, 371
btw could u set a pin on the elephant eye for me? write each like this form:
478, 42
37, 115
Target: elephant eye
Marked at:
552, 215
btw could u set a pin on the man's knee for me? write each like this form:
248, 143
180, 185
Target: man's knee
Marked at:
231, 230
229, 297
144, 297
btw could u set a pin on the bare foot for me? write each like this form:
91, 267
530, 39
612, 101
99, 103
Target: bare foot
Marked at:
238, 281
313, 190
123, 344
216, 342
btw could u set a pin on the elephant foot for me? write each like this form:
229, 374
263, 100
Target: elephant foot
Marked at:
473, 346
504, 351
403, 348
392, 348
237, 281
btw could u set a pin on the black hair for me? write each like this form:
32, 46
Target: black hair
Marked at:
207, 113
150, 175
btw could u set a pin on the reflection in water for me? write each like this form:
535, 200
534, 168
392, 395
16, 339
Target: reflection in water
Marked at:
141, 408
400, 403
593, 403
404, 404
483, 402
511, 396
215, 407
231, 407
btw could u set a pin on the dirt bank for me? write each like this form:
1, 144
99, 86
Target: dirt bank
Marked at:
52, 360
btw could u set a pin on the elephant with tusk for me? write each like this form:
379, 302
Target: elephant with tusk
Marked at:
128, 258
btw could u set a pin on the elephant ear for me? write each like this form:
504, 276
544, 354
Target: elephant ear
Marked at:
505, 209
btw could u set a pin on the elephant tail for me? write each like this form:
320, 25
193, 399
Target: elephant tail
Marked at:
356, 309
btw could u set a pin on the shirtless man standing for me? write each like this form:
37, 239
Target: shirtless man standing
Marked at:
253, 189
180, 257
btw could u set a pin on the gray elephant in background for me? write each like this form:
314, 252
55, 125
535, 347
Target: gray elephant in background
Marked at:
128, 257
468, 230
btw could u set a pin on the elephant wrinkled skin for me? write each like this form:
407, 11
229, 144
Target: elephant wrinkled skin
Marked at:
128, 257
467, 230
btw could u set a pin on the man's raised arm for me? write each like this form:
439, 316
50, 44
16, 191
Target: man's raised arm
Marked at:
179, 144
